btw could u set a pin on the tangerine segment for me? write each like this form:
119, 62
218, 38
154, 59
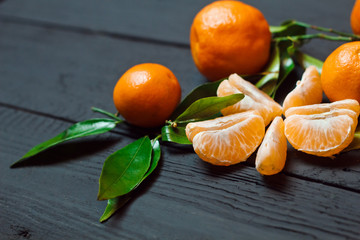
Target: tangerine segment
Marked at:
349, 104
215, 124
308, 90
323, 134
254, 99
230, 144
271, 155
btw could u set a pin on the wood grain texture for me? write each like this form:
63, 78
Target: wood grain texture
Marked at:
169, 20
74, 71
185, 198
59, 58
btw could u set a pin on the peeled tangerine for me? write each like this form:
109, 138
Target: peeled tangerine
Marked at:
308, 90
227, 140
254, 99
322, 129
271, 155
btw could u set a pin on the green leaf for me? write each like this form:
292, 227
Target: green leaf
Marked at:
106, 113
155, 157
176, 135
355, 144
306, 60
113, 205
202, 91
273, 69
278, 29
286, 31
207, 107
288, 28
286, 66
124, 169
78, 130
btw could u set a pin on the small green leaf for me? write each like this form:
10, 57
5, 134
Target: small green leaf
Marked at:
106, 113
306, 60
155, 157
355, 144
78, 130
288, 28
273, 69
278, 29
202, 91
113, 205
287, 32
207, 107
124, 169
176, 135
286, 66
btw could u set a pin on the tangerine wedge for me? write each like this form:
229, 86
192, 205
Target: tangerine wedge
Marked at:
350, 104
308, 90
227, 140
254, 99
271, 155
320, 129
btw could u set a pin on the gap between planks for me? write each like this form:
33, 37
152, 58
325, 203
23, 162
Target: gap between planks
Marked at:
88, 31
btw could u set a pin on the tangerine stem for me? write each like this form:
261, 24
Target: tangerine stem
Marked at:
312, 36
323, 29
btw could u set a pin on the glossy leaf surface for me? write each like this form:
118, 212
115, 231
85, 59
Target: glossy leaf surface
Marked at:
78, 130
124, 169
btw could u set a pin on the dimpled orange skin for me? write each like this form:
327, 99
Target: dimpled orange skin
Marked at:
355, 18
340, 77
229, 37
147, 94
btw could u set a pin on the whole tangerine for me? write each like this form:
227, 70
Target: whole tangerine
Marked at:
147, 94
340, 77
229, 37
355, 18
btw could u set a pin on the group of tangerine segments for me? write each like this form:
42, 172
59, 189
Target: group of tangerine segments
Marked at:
321, 129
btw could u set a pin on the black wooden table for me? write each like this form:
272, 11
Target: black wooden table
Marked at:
60, 58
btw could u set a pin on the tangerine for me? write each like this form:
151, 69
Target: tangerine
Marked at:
355, 18
340, 76
147, 94
229, 37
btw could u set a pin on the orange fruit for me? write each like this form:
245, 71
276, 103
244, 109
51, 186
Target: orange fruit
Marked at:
340, 77
229, 37
227, 140
321, 131
271, 155
254, 99
147, 94
308, 90
355, 18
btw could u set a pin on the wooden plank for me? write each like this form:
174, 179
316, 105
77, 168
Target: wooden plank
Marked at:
171, 20
185, 198
73, 72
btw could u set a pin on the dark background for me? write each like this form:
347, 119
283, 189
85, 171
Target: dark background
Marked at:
60, 58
